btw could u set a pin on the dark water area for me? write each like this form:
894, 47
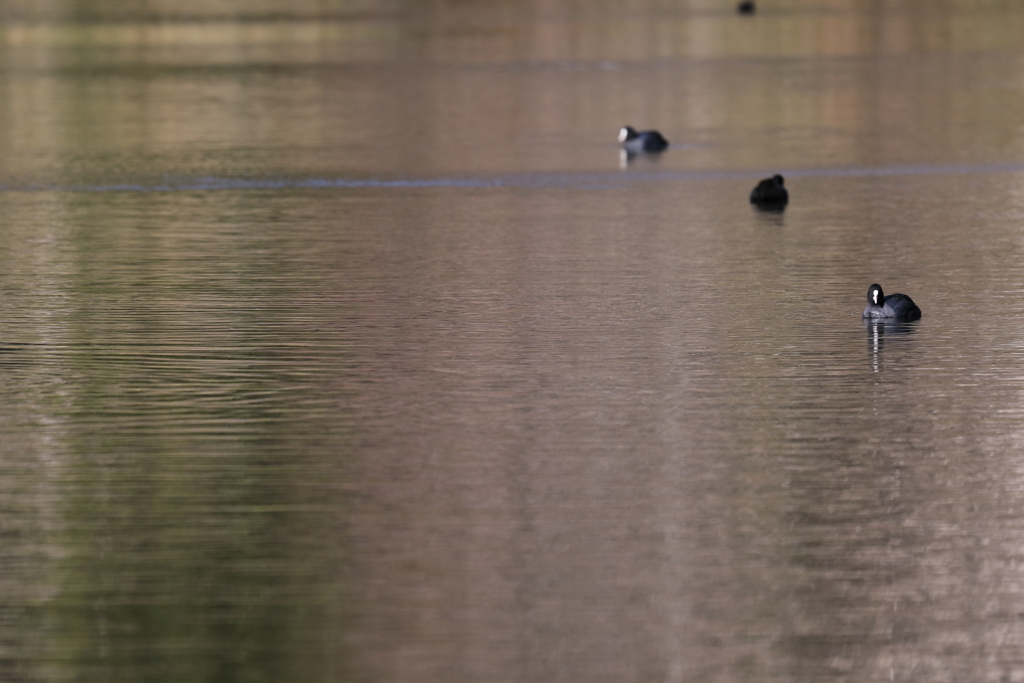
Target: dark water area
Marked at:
339, 342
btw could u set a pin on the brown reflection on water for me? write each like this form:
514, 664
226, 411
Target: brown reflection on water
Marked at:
497, 88
536, 429
659, 475
489, 88
663, 474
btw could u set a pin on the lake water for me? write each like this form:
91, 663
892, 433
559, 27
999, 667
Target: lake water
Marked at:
339, 342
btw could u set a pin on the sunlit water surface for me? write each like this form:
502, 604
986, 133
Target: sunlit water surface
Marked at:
340, 344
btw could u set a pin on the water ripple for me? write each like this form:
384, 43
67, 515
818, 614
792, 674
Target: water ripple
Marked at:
538, 180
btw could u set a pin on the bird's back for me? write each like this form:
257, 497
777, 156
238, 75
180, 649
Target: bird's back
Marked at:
902, 306
895, 306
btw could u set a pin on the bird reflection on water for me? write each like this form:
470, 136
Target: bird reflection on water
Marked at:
628, 158
897, 331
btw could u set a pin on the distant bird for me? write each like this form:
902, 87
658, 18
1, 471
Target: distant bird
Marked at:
746, 7
644, 141
770, 193
892, 307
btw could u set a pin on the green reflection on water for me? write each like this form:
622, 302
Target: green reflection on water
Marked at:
174, 458
207, 574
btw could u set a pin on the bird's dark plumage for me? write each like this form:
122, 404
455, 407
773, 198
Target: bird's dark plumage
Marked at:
643, 141
770, 193
892, 307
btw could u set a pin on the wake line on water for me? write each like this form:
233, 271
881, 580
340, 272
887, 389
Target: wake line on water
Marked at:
607, 180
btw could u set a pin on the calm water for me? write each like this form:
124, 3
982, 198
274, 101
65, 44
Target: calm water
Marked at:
340, 344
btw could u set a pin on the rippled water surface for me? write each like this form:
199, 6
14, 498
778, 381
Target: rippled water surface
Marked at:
339, 342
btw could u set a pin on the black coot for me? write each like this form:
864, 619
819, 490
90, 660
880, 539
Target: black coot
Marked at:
892, 307
644, 141
770, 193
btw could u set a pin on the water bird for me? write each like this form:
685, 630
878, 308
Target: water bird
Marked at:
892, 307
643, 141
746, 7
770, 193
